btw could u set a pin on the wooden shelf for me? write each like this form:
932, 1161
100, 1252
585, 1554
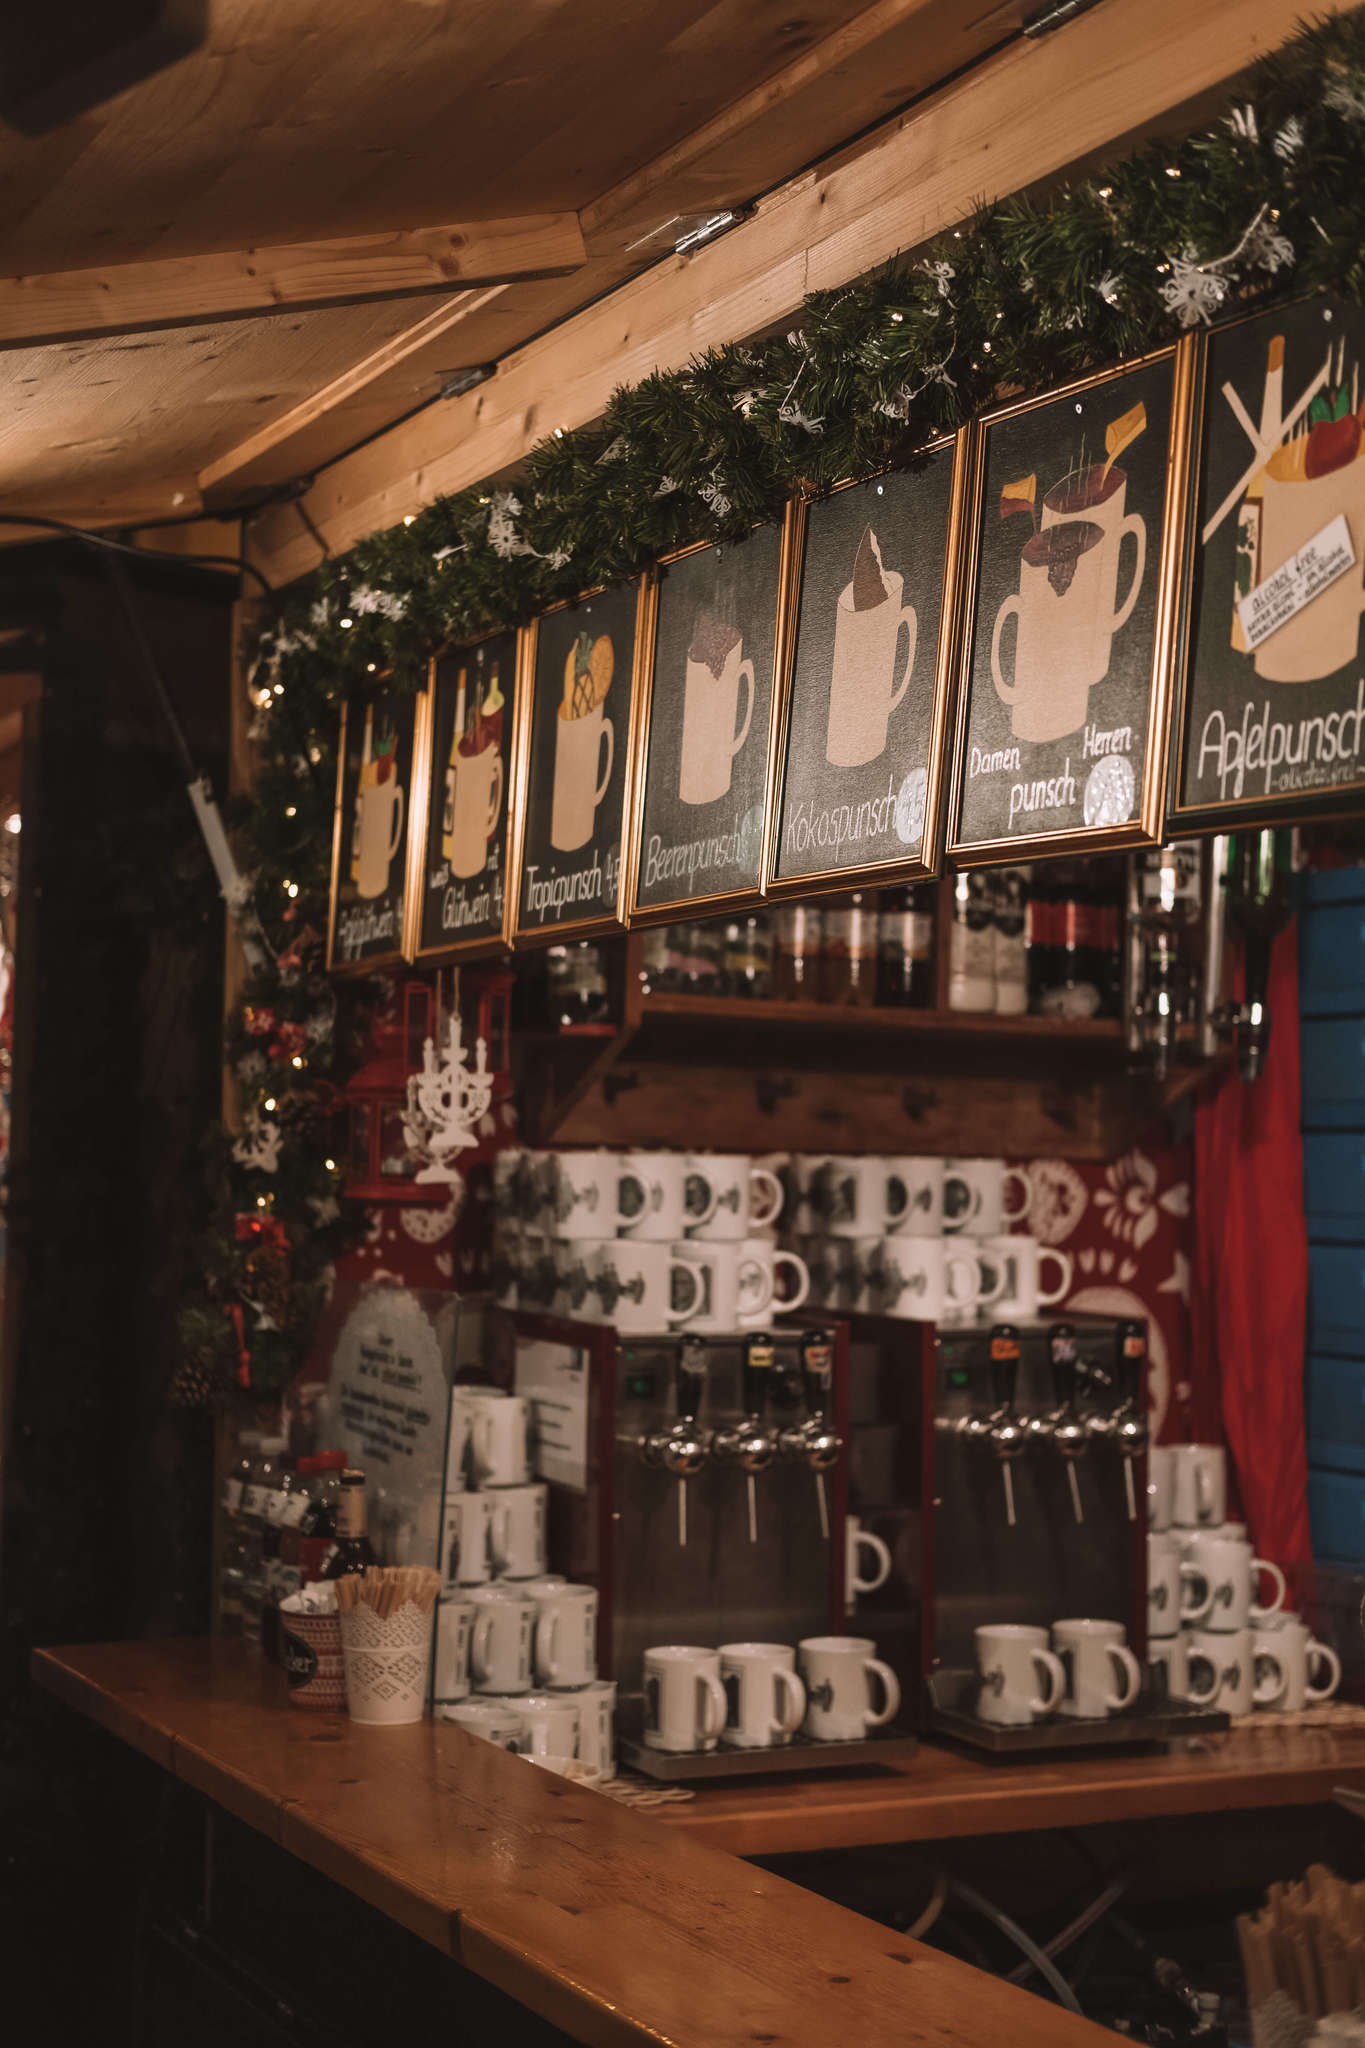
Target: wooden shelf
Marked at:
975, 1024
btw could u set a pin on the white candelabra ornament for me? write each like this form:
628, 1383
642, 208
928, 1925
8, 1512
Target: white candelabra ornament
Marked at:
446, 1102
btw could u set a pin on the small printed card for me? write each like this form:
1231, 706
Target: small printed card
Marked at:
1297, 582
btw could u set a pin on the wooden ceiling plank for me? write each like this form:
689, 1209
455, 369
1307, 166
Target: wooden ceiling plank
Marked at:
981, 137
131, 505
181, 291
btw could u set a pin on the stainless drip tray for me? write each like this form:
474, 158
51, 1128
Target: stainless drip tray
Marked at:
801, 1754
1152, 1719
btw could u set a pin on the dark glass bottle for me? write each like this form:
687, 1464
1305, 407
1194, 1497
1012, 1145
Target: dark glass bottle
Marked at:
748, 957
798, 950
905, 947
352, 1553
850, 958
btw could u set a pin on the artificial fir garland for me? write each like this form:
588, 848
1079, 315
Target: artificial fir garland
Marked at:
1267, 201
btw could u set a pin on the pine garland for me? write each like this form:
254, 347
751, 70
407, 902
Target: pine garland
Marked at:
1268, 201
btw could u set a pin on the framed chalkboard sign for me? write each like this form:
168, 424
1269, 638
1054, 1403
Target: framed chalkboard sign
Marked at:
576, 716
864, 707
376, 759
457, 897
705, 728
1271, 715
1074, 566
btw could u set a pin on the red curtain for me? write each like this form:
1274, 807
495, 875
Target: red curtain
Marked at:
1250, 1295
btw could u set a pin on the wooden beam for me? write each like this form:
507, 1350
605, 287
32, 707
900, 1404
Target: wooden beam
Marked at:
121, 505
180, 290
1109, 74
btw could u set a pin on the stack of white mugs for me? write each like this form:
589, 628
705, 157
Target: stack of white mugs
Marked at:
1081, 1668
1210, 1640
758, 1695
516, 1645
720, 1242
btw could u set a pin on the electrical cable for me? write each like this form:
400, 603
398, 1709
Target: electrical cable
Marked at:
126, 547
1073, 1931
1014, 1932
919, 1928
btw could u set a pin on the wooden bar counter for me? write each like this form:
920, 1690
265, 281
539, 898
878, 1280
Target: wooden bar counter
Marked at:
610, 1926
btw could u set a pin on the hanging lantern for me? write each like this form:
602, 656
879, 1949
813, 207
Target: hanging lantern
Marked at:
379, 1166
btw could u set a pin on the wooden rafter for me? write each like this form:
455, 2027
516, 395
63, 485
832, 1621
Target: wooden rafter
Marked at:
177, 291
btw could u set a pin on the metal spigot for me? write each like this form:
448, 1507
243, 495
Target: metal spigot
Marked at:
750, 1444
683, 1449
1069, 1435
815, 1442
1131, 1432
1007, 1436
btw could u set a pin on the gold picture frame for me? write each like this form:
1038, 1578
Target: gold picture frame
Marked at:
928, 777
491, 942
716, 903
364, 846
527, 830
1123, 810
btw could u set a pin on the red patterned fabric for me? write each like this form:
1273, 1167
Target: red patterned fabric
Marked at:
1251, 1292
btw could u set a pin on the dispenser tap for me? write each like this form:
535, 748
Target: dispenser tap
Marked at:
1130, 1429
750, 1443
1007, 1436
815, 1442
1068, 1433
682, 1449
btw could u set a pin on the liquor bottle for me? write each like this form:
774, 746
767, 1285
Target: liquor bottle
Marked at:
799, 945
654, 960
703, 958
905, 947
351, 1553
971, 954
1080, 970
747, 959
1009, 909
849, 974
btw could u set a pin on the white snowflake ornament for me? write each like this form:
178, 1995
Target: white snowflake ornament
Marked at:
1193, 294
258, 1148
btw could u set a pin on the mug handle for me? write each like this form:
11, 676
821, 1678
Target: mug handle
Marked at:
499, 1527
1205, 1696
1017, 1215
802, 1272
746, 675
789, 1684
1259, 1565
1196, 1608
1007, 692
972, 1267
760, 1177
400, 805
1000, 1285
1127, 1665
972, 1209
480, 1438
601, 789
1319, 1653
545, 1655
1051, 1668
495, 799
911, 624
1269, 1690
1052, 1296
685, 1315
628, 1177
712, 1202
478, 1643
881, 1552
715, 1707
1137, 526
1203, 1491
891, 1686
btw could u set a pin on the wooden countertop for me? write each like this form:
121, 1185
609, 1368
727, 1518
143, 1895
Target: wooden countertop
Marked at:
942, 1792
610, 1926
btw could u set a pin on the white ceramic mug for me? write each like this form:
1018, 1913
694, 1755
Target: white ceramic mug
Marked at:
842, 1272
1021, 1678
500, 1642
1176, 1589
980, 1211
454, 1621
566, 1636
857, 1196
653, 1196
765, 1700
464, 1540
860, 1542
644, 1287
760, 1264
379, 829
549, 1728
1199, 1496
929, 1279
684, 1699
803, 1220
591, 1193
1232, 1659
1232, 1574
490, 1720
919, 1188
498, 1439
597, 1727
727, 1196
1023, 1294
1102, 1674
732, 1282
516, 1530
1300, 1657
1160, 1487
840, 1673
713, 729
1168, 1665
